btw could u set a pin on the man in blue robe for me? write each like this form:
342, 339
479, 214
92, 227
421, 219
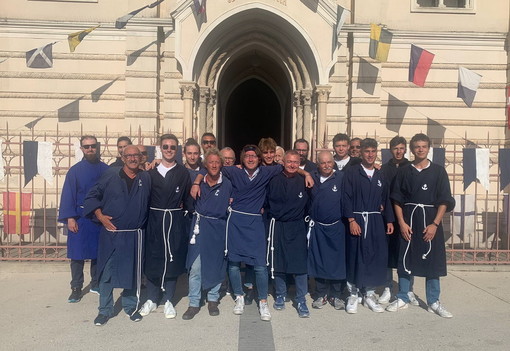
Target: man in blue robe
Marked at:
326, 249
120, 200
206, 261
368, 210
421, 195
398, 148
166, 242
83, 234
287, 198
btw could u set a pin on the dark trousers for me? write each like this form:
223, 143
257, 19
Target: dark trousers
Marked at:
328, 287
153, 290
77, 279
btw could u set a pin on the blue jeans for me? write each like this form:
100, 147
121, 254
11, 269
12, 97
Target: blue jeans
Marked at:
389, 280
195, 286
301, 285
432, 288
261, 279
129, 300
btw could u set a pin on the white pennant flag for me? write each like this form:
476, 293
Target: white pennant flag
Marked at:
482, 167
45, 160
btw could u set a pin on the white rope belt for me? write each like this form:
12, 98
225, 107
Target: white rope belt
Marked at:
365, 216
230, 210
166, 238
139, 255
196, 228
270, 246
311, 223
424, 256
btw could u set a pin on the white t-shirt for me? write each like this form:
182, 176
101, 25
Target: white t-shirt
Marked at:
369, 172
164, 170
341, 164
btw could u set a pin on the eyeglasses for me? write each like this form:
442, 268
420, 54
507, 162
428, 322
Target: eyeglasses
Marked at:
208, 142
144, 153
131, 155
86, 147
166, 147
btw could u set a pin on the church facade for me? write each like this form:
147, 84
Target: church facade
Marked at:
247, 69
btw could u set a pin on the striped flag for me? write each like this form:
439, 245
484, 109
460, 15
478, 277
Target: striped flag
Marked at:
476, 165
122, 21
200, 6
38, 159
380, 42
41, 57
468, 85
419, 65
75, 39
437, 155
17, 212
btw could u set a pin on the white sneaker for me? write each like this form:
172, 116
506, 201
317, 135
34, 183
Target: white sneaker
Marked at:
169, 310
147, 308
372, 304
385, 296
396, 305
412, 299
440, 310
239, 307
352, 304
264, 311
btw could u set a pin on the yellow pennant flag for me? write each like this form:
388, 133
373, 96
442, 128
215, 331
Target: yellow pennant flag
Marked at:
76, 38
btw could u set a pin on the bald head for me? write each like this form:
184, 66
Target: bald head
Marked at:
325, 163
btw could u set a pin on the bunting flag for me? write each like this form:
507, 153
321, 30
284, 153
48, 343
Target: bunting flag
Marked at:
38, 159
2, 172
437, 155
122, 21
476, 166
40, 57
75, 39
341, 15
17, 212
200, 6
380, 41
468, 85
464, 218
45, 221
419, 65
504, 168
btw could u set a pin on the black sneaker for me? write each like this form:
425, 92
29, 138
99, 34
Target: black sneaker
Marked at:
135, 317
75, 295
101, 319
250, 296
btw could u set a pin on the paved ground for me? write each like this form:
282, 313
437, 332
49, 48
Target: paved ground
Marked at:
36, 316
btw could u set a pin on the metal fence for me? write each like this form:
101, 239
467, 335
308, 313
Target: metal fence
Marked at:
476, 232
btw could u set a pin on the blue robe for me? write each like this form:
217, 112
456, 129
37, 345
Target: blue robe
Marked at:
390, 171
246, 233
210, 242
326, 249
367, 257
287, 198
128, 210
170, 192
431, 186
79, 179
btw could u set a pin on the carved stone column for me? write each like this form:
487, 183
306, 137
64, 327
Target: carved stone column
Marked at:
210, 111
202, 110
322, 92
299, 114
187, 91
306, 96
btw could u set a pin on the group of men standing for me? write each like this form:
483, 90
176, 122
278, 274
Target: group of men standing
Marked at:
345, 221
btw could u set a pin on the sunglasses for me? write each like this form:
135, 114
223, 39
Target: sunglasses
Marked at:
86, 147
210, 142
166, 147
